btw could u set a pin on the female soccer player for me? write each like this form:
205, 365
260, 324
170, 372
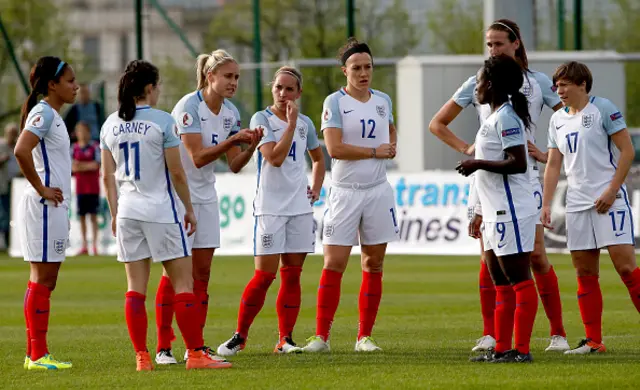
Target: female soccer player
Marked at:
209, 127
508, 205
590, 136
360, 135
503, 37
284, 231
140, 148
42, 152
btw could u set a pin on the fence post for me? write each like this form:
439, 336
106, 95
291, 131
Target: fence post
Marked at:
351, 21
257, 53
139, 40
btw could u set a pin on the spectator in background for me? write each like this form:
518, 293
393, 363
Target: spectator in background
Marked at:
86, 169
8, 170
85, 110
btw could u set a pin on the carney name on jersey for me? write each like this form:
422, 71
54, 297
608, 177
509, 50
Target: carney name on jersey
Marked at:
504, 198
362, 124
537, 88
51, 158
283, 191
193, 116
137, 146
590, 157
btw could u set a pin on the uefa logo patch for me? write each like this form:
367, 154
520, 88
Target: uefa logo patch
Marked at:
382, 111
59, 246
267, 240
587, 120
227, 123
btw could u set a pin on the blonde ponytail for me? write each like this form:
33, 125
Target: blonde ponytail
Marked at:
210, 63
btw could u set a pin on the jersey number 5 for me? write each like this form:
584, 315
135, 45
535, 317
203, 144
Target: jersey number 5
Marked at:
372, 124
135, 147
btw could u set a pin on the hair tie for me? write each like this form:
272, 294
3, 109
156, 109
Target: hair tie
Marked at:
359, 48
290, 73
60, 66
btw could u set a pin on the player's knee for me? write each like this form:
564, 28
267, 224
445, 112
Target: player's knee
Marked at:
372, 263
539, 262
586, 271
626, 268
202, 272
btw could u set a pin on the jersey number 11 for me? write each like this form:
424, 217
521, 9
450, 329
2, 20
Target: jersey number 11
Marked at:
135, 147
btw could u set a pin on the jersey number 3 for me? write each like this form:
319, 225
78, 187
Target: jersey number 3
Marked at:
135, 147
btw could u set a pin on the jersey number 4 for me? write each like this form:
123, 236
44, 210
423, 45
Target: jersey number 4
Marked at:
135, 147
372, 125
292, 151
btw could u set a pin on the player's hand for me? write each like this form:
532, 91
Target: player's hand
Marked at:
474, 226
536, 153
394, 145
257, 136
190, 222
244, 136
604, 202
545, 217
386, 151
53, 194
312, 195
471, 150
292, 112
466, 167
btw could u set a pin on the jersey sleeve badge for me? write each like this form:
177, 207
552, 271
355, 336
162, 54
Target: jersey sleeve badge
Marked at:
186, 119
326, 115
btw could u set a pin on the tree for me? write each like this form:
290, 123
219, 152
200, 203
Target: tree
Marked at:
303, 29
36, 29
455, 27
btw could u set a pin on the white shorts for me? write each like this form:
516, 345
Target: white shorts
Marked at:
207, 233
508, 238
365, 216
43, 231
537, 194
588, 229
283, 234
139, 240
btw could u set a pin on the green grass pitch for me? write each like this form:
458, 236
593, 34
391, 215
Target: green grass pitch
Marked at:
428, 322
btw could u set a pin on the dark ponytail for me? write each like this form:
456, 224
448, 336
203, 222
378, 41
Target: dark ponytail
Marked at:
46, 69
506, 78
137, 75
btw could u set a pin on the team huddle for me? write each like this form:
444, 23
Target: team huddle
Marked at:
158, 173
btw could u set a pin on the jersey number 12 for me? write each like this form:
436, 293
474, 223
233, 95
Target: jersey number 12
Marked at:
135, 147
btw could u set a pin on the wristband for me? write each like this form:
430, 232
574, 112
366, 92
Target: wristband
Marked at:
373, 153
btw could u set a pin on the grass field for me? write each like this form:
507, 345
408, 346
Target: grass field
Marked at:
429, 319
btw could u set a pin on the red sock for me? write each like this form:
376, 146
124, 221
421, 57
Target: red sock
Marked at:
187, 313
369, 301
26, 317
328, 300
632, 281
253, 300
525, 315
136, 316
590, 303
202, 298
164, 313
505, 309
550, 296
288, 302
38, 306
487, 300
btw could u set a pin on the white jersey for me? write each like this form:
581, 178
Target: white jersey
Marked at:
51, 157
137, 147
504, 198
282, 190
539, 91
590, 157
362, 124
193, 116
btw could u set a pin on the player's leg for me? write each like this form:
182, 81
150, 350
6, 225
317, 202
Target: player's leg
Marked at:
288, 301
372, 259
547, 283
83, 234
487, 305
96, 233
624, 261
136, 311
164, 317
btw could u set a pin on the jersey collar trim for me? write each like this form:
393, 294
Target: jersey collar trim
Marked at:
199, 94
138, 108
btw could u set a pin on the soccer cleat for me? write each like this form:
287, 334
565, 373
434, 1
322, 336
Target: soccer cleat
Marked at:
82, 252
484, 343
486, 356
26, 362
48, 362
286, 345
367, 344
316, 344
586, 347
143, 361
199, 359
513, 356
232, 346
165, 356
209, 352
558, 344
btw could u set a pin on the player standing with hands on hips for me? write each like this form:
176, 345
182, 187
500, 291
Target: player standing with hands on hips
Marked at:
360, 136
